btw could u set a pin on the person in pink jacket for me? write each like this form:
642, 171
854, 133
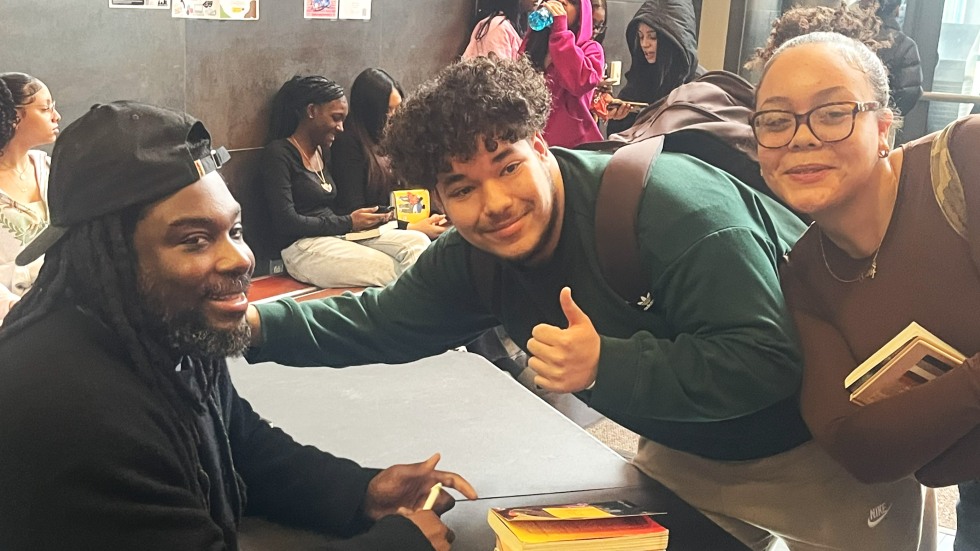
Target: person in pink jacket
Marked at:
499, 29
572, 64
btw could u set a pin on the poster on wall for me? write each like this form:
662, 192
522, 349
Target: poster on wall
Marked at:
141, 4
320, 9
216, 9
355, 9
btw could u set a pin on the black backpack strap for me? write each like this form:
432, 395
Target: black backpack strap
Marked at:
616, 208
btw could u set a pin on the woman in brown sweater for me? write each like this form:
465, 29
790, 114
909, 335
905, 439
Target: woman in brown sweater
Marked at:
880, 255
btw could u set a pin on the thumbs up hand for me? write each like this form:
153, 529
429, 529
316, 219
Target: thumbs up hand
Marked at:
565, 360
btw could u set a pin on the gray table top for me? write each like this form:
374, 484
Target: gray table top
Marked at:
488, 428
512, 446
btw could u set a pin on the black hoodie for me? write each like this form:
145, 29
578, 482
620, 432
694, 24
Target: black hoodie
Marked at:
677, 54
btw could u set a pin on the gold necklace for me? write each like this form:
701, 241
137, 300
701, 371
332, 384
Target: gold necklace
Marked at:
21, 180
867, 274
309, 162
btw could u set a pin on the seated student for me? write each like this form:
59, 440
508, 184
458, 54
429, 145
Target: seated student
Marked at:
28, 119
499, 32
663, 43
363, 175
121, 428
307, 115
707, 370
572, 63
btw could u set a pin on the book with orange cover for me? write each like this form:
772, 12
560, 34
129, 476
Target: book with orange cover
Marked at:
607, 526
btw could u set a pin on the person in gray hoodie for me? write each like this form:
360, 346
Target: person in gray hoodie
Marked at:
664, 48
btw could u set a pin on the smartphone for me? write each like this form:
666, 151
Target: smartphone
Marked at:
383, 209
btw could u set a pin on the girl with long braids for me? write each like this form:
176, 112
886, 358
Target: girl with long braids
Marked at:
307, 115
28, 119
572, 63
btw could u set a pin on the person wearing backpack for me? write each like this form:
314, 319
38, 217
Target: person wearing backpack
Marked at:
703, 363
896, 239
663, 44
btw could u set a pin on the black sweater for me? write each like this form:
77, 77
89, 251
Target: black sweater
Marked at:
300, 205
90, 458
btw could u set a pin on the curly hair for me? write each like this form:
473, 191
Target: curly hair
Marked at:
484, 97
16, 90
858, 22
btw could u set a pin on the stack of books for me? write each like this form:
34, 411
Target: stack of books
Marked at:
605, 526
912, 357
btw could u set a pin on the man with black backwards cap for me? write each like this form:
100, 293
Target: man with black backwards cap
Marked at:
119, 425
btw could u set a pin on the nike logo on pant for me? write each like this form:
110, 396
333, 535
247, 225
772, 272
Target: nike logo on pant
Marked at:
877, 514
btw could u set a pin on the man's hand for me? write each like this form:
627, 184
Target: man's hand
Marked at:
438, 534
408, 486
565, 360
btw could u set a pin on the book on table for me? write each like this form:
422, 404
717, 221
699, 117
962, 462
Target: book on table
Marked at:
411, 205
376, 231
605, 526
911, 358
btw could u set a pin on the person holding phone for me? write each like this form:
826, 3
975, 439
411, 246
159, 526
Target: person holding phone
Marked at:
308, 114
362, 172
663, 44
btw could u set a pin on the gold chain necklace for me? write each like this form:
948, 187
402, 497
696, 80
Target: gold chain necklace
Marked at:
309, 162
867, 274
21, 179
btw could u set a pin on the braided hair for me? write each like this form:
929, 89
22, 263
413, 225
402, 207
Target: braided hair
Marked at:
289, 103
16, 90
94, 266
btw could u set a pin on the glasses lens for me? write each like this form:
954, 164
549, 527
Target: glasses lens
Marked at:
774, 128
832, 123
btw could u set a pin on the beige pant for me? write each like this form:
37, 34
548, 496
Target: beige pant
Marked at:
334, 262
801, 496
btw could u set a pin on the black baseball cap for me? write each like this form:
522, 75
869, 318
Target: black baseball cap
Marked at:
120, 155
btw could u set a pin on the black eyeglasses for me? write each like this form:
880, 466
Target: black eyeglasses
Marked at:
829, 123
598, 27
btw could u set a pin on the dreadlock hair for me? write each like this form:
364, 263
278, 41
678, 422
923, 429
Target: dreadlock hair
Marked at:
537, 41
94, 266
290, 102
484, 98
16, 90
857, 22
366, 120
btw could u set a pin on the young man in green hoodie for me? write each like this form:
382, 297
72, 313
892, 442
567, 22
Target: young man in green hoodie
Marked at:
705, 368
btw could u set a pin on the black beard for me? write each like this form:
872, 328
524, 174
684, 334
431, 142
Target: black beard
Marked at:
187, 332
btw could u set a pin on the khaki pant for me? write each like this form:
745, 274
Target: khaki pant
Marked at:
333, 262
801, 496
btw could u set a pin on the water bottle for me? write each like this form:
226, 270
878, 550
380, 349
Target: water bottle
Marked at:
540, 19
